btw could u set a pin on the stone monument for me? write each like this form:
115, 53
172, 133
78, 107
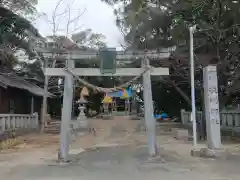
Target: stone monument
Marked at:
212, 115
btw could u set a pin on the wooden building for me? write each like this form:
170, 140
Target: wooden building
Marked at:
18, 96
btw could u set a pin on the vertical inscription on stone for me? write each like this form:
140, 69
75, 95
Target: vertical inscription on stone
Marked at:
212, 107
213, 97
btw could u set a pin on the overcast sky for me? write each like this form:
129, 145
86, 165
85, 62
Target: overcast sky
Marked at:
98, 16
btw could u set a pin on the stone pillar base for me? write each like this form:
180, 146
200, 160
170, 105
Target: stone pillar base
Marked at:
210, 153
61, 160
181, 134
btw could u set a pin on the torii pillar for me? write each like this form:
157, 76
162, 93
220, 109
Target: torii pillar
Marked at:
148, 110
66, 115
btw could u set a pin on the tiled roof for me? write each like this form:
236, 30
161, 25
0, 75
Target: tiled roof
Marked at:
12, 80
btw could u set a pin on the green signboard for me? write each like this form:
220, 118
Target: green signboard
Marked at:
108, 60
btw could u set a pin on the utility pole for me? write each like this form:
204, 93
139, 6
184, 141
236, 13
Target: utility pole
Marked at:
192, 69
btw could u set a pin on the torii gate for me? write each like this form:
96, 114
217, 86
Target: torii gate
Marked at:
70, 56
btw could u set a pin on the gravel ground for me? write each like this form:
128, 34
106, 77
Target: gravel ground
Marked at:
118, 152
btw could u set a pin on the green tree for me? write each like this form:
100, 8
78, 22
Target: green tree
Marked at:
88, 39
155, 24
15, 33
25, 8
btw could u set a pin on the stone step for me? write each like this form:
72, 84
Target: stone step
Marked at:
52, 126
55, 126
52, 130
53, 123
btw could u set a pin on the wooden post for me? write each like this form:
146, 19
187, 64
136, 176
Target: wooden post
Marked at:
32, 105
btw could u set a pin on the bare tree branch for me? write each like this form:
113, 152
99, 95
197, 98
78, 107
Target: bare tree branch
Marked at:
56, 19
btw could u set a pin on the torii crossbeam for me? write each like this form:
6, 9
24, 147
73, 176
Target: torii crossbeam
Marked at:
96, 72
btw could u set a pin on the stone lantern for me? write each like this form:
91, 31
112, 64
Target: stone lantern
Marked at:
82, 104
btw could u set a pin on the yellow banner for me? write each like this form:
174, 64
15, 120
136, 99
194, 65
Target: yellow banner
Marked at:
107, 99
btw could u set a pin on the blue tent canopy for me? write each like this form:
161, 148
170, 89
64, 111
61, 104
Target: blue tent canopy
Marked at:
119, 94
115, 94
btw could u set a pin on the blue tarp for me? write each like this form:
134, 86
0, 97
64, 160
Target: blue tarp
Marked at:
160, 116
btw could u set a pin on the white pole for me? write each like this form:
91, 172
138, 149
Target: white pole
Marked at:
191, 31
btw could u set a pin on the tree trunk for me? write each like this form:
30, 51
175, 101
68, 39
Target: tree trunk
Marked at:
182, 93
